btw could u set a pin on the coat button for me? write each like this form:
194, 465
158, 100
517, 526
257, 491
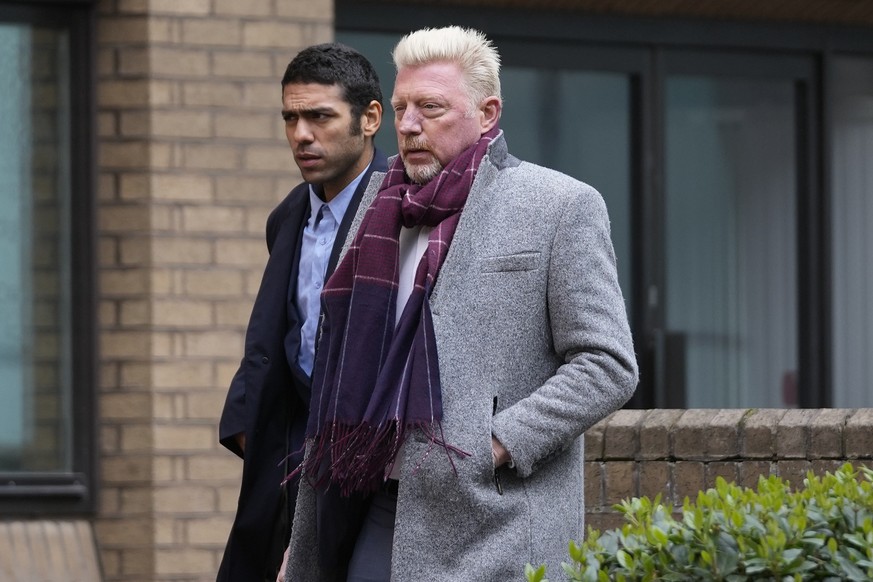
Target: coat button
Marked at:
265, 360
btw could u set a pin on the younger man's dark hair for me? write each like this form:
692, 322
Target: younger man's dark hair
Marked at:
337, 64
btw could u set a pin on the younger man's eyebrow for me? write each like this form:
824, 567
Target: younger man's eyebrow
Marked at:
286, 113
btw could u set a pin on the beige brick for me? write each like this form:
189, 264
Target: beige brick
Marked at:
119, 344
106, 187
133, 6
211, 32
182, 374
181, 313
135, 313
317, 32
135, 123
198, 7
124, 532
211, 156
252, 190
109, 501
266, 95
214, 468
123, 282
135, 251
243, 64
110, 439
279, 34
123, 219
182, 187
228, 496
135, 186
184, 499
124, 154
250, 125
135, 375
181, 123
125, 469
167, 531
164, 470
107, 249
183, 438
213, 219
178, 62
235, 314
247, 8
184, 561
107, 124
110, 561
759, 433
213, 343
133, 60
215, 282
270, 158
213, 93
237, 251
126, 406
306, 9
105, 62
136, 438
206, 405
181, 251
127, 30
137, 564
209, 530
123, 93
107, 313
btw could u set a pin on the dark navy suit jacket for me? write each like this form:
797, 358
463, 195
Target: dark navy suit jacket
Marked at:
268, 398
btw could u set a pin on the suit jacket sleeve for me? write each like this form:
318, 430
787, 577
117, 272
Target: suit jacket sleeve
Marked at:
233, 415
591, 337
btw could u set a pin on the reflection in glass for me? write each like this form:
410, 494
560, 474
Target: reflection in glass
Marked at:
35, 367
852, 217
731, 252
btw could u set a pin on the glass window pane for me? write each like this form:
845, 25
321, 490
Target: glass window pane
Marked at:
35, 367
577, 122
731, 253
852, 217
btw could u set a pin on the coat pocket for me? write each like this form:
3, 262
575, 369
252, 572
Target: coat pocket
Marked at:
524, 261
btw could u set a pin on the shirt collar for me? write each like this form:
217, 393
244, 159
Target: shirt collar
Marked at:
340, 202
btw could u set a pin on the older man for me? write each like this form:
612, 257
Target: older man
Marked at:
473, 331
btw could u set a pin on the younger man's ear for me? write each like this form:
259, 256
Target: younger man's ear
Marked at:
371, 119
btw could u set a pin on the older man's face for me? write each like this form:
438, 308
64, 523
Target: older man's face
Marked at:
433, 117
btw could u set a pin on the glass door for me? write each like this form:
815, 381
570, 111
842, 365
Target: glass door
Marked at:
732, 186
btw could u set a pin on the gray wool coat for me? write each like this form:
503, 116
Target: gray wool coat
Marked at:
534, 347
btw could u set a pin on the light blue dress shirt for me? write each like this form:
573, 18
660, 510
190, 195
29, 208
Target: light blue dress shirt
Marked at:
318, 238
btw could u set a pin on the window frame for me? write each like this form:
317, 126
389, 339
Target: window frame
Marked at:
74, 491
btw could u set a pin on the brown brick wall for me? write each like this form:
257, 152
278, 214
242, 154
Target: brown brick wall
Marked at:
676, 453
191, 159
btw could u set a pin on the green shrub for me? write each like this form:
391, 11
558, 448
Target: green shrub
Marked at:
823, 531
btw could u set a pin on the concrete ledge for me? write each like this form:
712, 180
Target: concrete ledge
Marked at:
43, 550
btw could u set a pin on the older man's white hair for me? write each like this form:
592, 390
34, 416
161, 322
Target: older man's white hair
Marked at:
468, 48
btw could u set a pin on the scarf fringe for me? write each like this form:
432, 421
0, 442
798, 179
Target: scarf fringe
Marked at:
360, 458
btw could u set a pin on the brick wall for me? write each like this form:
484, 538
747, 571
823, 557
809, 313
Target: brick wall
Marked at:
676, 453
192, 157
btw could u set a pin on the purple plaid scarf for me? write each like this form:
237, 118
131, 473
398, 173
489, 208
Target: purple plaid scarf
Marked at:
373, 381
